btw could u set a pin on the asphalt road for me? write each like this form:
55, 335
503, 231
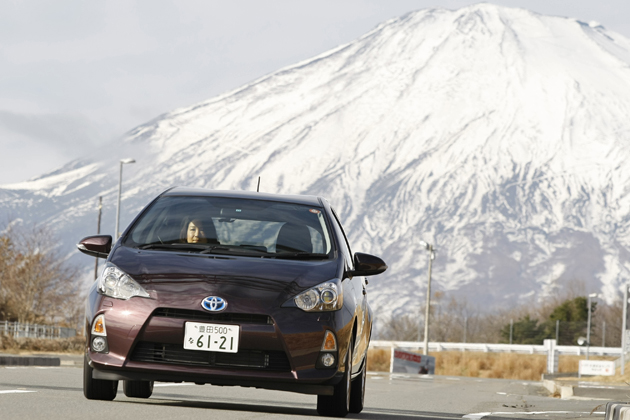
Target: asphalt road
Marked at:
55, 393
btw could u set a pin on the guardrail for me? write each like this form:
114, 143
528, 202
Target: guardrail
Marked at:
499, 348
25, 330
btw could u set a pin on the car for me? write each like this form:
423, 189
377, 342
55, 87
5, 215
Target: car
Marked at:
231, 288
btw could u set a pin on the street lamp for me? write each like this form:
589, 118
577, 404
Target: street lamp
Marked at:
122, 162
429, 248
588, 324
624, 335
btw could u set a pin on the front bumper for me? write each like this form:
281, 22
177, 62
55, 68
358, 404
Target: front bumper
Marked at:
277, 351
278, 382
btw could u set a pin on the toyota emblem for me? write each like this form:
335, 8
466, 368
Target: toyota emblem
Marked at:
214, 304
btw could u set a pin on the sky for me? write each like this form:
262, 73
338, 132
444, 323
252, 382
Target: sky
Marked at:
75, 75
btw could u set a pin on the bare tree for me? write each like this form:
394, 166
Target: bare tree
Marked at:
36, 284
455, 320
399, 328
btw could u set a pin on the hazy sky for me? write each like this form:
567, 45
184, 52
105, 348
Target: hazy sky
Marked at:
75, 74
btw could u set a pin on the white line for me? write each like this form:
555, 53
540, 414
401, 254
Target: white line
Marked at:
15, 391
478, 416
173, 384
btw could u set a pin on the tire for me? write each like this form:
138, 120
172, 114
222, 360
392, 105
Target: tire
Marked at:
338, 404
357, 390
138, 389
97, 389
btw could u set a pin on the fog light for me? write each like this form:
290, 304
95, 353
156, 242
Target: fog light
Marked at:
99, 344
328, 359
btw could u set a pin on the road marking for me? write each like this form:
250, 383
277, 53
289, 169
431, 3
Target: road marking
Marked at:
478, 416
173, 384
15, 391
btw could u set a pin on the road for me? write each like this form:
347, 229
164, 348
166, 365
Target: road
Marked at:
56, 394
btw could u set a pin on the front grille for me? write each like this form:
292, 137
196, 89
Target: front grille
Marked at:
205, 316
175, 354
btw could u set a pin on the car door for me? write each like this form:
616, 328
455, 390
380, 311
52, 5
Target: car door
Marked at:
359, 296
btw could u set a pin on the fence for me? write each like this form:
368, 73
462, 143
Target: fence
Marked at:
549, 348
21, 330
499, 348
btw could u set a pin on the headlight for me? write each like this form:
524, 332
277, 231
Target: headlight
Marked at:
114, 282
327, 296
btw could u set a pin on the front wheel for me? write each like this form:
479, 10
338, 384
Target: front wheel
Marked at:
357, 390
338, 404
138, 389
97, 389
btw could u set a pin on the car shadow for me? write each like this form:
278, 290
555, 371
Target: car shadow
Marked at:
295, 409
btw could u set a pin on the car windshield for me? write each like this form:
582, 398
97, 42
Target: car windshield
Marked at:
217, 225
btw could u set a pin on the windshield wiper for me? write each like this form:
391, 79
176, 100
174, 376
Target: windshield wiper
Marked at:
212, 249
234, 250
300, 255
176, 246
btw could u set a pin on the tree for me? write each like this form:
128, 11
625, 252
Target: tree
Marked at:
573, 316
524, 331
36, 284
399, 328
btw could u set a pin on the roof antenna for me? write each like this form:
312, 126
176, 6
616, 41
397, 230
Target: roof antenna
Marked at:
258, 187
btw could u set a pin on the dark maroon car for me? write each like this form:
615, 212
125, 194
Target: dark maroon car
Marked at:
231, 288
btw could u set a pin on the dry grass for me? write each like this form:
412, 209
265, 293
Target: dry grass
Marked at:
378, 360
484, 365
9, 344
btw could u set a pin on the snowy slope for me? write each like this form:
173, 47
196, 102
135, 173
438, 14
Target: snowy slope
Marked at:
497, 134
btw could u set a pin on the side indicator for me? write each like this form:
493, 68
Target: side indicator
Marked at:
98, 328
330, 343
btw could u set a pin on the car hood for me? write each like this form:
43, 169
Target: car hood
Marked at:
252, 281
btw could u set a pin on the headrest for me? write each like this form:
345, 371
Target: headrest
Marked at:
294, 238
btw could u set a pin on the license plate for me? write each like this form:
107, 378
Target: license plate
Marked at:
211, 337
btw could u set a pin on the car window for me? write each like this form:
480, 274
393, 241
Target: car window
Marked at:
230, 225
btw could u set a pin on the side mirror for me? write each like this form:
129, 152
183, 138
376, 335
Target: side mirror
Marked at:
367, 265
96, 246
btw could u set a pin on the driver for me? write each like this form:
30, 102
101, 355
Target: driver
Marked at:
193, 232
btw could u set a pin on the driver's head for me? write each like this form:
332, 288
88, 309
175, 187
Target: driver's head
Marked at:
195, 233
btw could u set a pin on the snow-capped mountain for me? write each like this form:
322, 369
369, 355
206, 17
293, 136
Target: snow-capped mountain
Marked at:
499, 135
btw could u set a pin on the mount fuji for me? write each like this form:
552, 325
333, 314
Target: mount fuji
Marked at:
499, 135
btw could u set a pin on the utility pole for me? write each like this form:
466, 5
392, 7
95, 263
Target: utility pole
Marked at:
588, 324
465, 327
623, 328
98, 232
122, 162
557, 331
429, 248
